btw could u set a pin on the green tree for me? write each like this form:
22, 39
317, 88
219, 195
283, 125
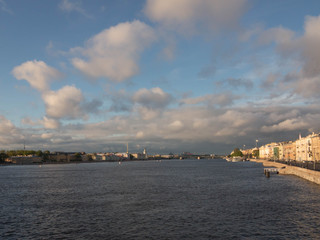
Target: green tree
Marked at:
255, 153
77, 156
39, 153
3, 156
237, 153
45, 155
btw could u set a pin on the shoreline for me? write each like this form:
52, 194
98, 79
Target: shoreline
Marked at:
307, 174
101, 161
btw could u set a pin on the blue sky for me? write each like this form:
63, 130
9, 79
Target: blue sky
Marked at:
202, 76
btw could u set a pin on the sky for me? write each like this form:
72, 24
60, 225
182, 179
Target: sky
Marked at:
171, 76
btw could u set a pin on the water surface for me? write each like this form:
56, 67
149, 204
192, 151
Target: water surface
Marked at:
173, 199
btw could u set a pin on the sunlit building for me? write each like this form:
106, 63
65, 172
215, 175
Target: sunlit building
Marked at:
304, 148
289, 151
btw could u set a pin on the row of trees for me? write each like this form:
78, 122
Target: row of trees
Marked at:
11, 153
237, 153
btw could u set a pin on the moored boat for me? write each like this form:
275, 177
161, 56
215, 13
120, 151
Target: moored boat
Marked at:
237, 159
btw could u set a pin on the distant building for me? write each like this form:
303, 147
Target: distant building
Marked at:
63, 157
315, 143
25, 159
123, 155
289, 151
269, 151
304, 148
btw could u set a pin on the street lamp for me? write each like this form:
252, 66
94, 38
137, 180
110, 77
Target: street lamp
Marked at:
257, 143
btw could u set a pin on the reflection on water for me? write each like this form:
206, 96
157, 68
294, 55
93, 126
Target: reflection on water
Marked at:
190, 199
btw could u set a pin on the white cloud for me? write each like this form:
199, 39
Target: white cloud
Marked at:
140, 134
304, 79
37, 73
73, 6
153, 98
50, 123
64, 103
147, 113
47, 135
280, 35
311, 50
188, 15
176, 125
29, 121
286, 125
6, 126
10, 135
114, 52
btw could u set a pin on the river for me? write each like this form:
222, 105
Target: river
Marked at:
168, 199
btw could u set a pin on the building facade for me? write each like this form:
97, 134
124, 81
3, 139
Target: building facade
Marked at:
304, 148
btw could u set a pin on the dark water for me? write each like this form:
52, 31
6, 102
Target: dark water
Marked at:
189, 199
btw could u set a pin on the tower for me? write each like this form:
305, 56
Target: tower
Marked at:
145, 155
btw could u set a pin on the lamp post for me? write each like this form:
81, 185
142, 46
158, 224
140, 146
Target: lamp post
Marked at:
257, 143
314, 159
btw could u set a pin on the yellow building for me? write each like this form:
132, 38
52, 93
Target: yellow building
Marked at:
289, 151
269, 151
315, 143
304, 148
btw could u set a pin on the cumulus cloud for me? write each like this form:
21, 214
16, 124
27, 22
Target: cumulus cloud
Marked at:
50, 123
280, 35
147, 113
153, 98
188, 15
64, 103
29, 121
311, 51
6, 126
37, 73
73, 6
286, 125
114, 52
304, 79
10, 135
176, 125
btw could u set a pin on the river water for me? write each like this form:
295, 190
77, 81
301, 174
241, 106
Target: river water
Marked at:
172, 199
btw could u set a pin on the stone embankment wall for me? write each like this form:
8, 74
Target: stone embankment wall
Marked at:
310, 175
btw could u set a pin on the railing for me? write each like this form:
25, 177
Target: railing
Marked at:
303, 164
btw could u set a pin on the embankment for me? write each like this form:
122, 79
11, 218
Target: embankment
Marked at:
310, 175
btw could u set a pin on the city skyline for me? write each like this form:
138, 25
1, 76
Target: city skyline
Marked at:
202, 76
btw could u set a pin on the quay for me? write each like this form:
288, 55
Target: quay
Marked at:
310, 175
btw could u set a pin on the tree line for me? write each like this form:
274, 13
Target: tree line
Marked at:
11, 153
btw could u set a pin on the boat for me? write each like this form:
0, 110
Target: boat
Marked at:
237, 159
